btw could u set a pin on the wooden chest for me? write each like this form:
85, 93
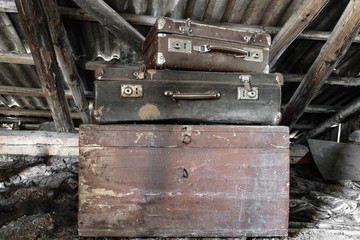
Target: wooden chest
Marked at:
176, 181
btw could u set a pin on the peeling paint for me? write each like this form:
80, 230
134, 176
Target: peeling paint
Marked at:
111, 193
149, 112
151, 72
138, 135
220, 137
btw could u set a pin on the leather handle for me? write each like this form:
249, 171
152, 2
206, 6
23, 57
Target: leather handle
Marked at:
208, 48
192, 96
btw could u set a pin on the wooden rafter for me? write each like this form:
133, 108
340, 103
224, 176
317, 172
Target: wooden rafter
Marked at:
32, 19
294, 26
348, 111
112, 21
31, 113
34, 92
93, 65
65, 59
80, 14
331, 53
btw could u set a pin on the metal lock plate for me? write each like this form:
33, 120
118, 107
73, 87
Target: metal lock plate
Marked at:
179, 45
254, 55
244, 94
131, 90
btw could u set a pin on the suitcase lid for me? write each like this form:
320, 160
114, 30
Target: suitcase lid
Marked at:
189, 28
230, 78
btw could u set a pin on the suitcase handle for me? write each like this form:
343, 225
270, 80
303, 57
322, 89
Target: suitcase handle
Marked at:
207, 48
192, 96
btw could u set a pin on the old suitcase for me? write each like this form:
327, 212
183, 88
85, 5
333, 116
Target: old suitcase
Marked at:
187, 96
177, 181
176, 44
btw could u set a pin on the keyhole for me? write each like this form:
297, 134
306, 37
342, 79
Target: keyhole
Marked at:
128, 91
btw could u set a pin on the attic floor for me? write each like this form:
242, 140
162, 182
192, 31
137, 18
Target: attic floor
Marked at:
318, 209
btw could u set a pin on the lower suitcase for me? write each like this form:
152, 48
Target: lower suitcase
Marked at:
188, 96
181, 181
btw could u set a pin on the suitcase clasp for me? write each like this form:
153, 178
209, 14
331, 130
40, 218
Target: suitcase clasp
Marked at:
187, 28
247, 92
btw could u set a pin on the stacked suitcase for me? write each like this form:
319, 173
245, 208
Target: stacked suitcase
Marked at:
161, 178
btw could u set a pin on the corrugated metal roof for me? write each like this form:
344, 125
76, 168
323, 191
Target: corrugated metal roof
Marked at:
91, 41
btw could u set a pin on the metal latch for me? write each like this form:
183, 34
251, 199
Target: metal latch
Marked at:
179, 45
140, 74
247, 92
187, 28
131, 90
246, 80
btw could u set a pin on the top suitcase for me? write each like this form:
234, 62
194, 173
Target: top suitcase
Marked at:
178, 44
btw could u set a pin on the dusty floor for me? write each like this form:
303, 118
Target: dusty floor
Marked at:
41, 202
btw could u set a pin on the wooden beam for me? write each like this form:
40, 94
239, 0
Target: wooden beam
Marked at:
93, 65
31, 113
324, 109
112, 21
331, 53
39, 143
34, 92
340, 81
9, 30
32, 17
348, 111
16, 58
294, 26
65, 59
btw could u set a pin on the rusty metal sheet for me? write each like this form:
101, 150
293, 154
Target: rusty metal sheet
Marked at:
336, 161
177, 181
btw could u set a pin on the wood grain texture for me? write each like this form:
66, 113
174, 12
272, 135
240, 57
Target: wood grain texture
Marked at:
143, 180
37, 35
39, 143
352, 109
303, 16
112, 21
331, 53
65, 59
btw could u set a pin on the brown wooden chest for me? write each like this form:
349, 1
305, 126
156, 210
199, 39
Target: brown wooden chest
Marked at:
176, 181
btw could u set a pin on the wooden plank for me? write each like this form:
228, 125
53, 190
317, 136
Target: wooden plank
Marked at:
65, 59
16, 58
112, 21
32, 18
38, 143
9, 30
325, 109
294, 26
31, 113
34, 92
332, 52
138, 185
332, 80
